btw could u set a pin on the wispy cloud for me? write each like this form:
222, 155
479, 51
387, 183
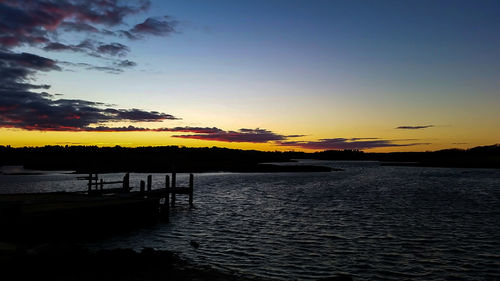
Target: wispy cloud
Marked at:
242, 135
344, 143
415, 127
155, 26
197, 130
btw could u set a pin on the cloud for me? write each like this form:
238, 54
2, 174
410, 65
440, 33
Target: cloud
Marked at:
18, 69
125, 63
91, 48
197, 130
116, 129
107, 69
11, 60
155, 26
30, 22
40, 24
414, 127
113, 49
39, 111
343, 143
216, 134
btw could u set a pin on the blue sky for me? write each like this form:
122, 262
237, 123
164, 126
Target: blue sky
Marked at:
323, 69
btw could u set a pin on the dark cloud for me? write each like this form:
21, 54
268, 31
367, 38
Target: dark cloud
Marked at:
242, 135
35, 19
117, 67
127, 34
22, 108
197, 130
116, 129
90, 47
17, 70
41, 24
125, 63
357, 139
55, 46
113, 49
35, 111
154, 26
11, 60
414, 127
343, 143
138, 115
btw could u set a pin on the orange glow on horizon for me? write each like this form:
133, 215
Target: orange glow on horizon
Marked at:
21, 138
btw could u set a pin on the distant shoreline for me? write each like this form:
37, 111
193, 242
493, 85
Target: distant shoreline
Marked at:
86, 159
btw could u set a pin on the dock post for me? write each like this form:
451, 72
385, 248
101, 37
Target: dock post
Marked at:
96, 179
126, 182
191, 185
173, 188
166, 204
90, 183
143, 184
101, 185
150, 181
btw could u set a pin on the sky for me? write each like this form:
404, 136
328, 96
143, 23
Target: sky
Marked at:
271, 75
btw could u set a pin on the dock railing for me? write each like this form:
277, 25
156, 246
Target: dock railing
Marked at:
95, 186
93, 180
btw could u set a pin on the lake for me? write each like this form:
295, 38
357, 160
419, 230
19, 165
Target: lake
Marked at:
369, 221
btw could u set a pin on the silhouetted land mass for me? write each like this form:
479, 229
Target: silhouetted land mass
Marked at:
85, 159
149, 159
477, 157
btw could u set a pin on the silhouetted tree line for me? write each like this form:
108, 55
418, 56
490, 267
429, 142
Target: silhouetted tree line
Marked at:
184, 159
140, 159
477, 157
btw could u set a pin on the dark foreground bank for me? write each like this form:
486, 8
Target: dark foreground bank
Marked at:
69, 262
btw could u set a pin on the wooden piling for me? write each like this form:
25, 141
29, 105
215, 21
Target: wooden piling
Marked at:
166, 204
173, 187
142, 187
90, 183
150, 182
126, 182
101, 185
96, 179
191, 185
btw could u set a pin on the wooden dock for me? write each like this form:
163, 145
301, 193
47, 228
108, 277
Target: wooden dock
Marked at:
90, 213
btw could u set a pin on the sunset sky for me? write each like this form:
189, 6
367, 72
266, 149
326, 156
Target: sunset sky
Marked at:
267, 75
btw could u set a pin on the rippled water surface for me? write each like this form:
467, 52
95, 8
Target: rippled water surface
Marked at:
369, 221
